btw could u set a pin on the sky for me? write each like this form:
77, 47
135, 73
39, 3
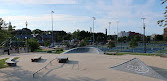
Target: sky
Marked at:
70, 15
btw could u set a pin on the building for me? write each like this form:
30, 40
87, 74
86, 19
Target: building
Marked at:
133, 34
153, 36
23, 33
123, 34
165, 32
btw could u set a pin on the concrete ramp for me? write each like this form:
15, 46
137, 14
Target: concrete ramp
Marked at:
138, 67
84, 50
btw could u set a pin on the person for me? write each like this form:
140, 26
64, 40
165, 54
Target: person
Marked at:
8, 51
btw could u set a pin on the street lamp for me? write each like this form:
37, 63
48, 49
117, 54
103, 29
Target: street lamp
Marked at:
52, 26
93, 30
144, 41
27, 36
117, 30
109, 27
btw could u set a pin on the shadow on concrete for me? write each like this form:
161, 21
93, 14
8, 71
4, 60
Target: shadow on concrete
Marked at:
18, 74
41, 61
161, 71
72, 62
75, 64
61, 66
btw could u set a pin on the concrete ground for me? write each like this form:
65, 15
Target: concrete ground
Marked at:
81, 67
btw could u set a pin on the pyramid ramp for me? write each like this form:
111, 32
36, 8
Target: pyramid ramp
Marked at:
136, 66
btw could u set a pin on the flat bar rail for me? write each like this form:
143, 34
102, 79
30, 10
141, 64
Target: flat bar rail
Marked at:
43, 67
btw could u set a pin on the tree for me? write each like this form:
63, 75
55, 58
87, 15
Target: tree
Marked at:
148, 38
37, 31
1, 23
67, 37
137, 38
33, 44
158, 38
81, 35
4, 34
111, 44
10, 27
82, 43
47, 43
133, 44
163, 22
100, 37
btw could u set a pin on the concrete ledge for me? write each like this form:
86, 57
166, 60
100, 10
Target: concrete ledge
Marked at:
163, 55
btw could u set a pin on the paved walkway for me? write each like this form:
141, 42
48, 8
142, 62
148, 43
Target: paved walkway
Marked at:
81, 67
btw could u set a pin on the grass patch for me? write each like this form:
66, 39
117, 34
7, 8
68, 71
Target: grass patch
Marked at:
16, 58
58, 51
3, 63
40, 50
50, 51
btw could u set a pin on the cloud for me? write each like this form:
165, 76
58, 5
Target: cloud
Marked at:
41, 1
128, 13
125, 11
68, 22
46, 17
3, 11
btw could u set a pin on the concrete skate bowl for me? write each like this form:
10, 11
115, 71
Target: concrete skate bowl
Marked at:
92, 50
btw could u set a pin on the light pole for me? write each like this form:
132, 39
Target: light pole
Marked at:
27, 36
144, 41
52, 27
117, 29
93, 30
109, 27
90, 29
117, 35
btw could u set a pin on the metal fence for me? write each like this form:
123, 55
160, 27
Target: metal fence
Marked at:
160, 48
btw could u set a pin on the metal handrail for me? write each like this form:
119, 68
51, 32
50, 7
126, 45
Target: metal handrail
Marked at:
43, 67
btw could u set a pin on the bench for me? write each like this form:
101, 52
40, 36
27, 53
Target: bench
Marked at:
36, 58
11, 61
62, 59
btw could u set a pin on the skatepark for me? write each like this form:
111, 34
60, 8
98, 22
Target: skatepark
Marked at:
85, 67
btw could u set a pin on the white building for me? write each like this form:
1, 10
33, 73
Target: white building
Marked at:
123, 34
153, 36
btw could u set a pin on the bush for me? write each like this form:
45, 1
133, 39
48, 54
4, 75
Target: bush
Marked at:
58, 51
133, 43
33, 44
49, 51
82, 43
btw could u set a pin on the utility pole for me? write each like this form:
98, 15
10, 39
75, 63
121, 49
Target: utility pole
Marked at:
109, 30
93, 30
52, 27
109, 27
144, 39
117, 29
106, 35
90, 29
27, 36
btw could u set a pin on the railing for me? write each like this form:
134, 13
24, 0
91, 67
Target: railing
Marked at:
43, 67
